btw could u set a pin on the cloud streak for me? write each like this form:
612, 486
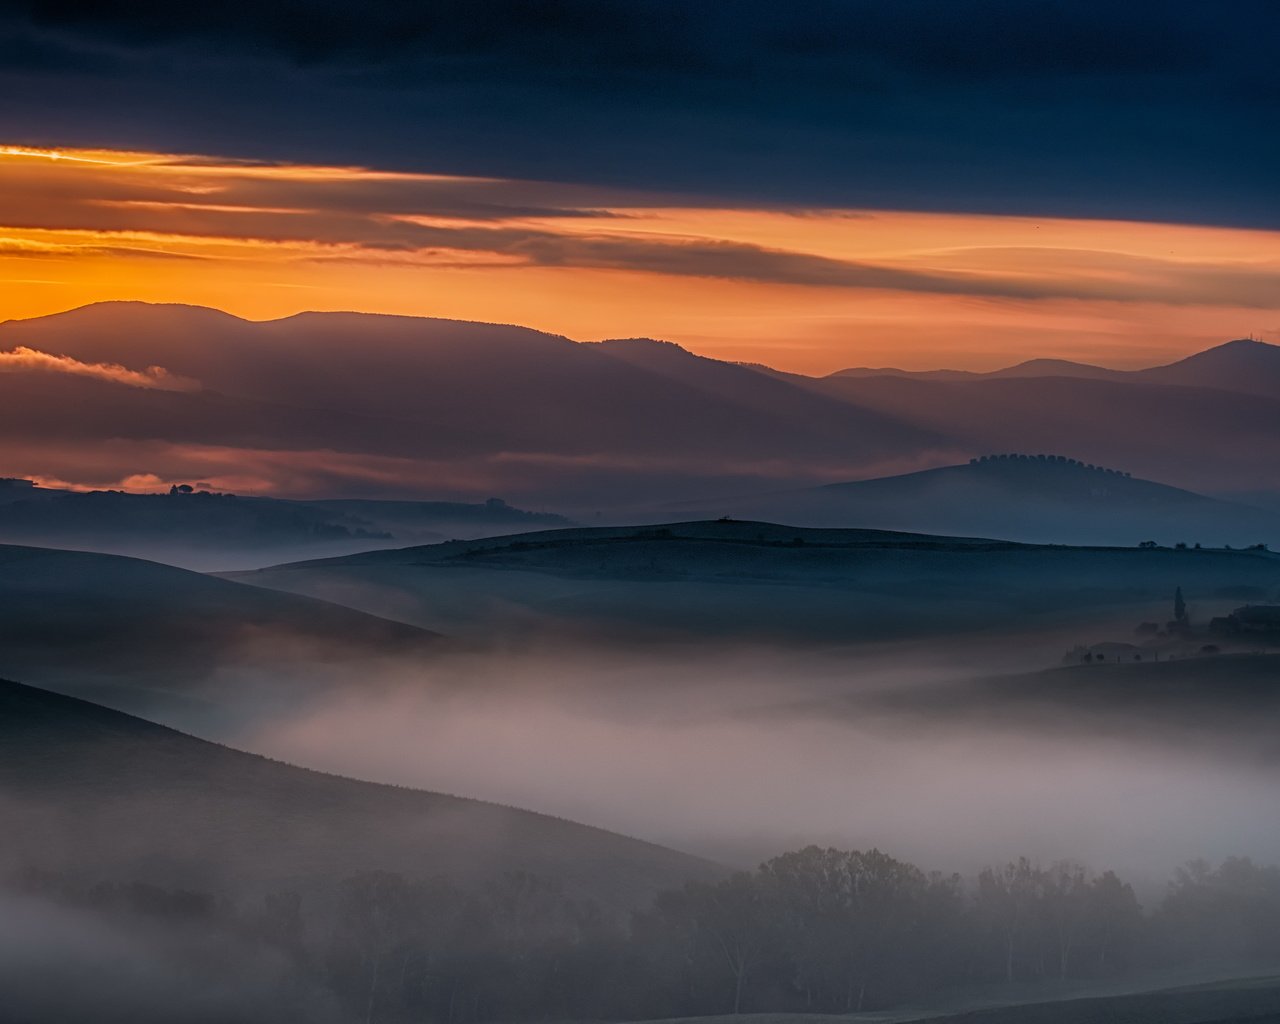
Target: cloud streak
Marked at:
28, 360
775, 285
153, 206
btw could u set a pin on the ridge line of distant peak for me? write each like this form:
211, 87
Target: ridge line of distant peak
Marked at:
1253, 344
1025, 368
300, 314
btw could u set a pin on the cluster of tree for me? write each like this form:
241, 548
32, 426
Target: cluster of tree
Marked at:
839, 931
817, 930
1019, 457
1151, 545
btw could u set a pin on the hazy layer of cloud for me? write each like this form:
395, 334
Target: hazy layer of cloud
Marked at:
138, 971
702, 751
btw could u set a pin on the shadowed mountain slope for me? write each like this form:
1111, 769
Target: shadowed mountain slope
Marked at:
502, 388
96, 792
1202, 438
348, 403
1038, 499
1244, 365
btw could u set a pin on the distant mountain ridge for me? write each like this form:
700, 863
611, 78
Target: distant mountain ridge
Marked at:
1245, 364
346, 403
1029, 368
425, 404
1015, 496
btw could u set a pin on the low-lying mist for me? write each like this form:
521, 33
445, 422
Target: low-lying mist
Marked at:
738, 753
129, 969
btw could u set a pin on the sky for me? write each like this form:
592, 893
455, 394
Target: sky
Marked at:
810, 185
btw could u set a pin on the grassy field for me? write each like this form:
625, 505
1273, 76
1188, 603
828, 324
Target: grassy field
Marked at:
1249, 1000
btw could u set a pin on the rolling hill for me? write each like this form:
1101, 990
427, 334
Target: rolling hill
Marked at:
422, 522
143, 631
1205, 422
104, 795
198, 530
759, 580
1037, 499
1202, 438
203, 530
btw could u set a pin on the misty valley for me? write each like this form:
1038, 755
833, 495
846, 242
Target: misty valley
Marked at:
639, 512
994, 739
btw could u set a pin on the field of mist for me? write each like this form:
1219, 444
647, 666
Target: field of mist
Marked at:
274, 893
726, 689
985, 735
639, 512
739, 753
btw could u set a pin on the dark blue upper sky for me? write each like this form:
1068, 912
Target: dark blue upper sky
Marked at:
1163, 111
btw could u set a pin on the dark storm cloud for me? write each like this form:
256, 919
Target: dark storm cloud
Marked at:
1145, 110
942, 38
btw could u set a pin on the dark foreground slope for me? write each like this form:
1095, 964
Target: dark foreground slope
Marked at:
1232, 1001
1244, 1001
723, 579
90, 791
1226, 1003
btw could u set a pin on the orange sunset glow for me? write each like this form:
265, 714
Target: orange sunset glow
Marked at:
804, 290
